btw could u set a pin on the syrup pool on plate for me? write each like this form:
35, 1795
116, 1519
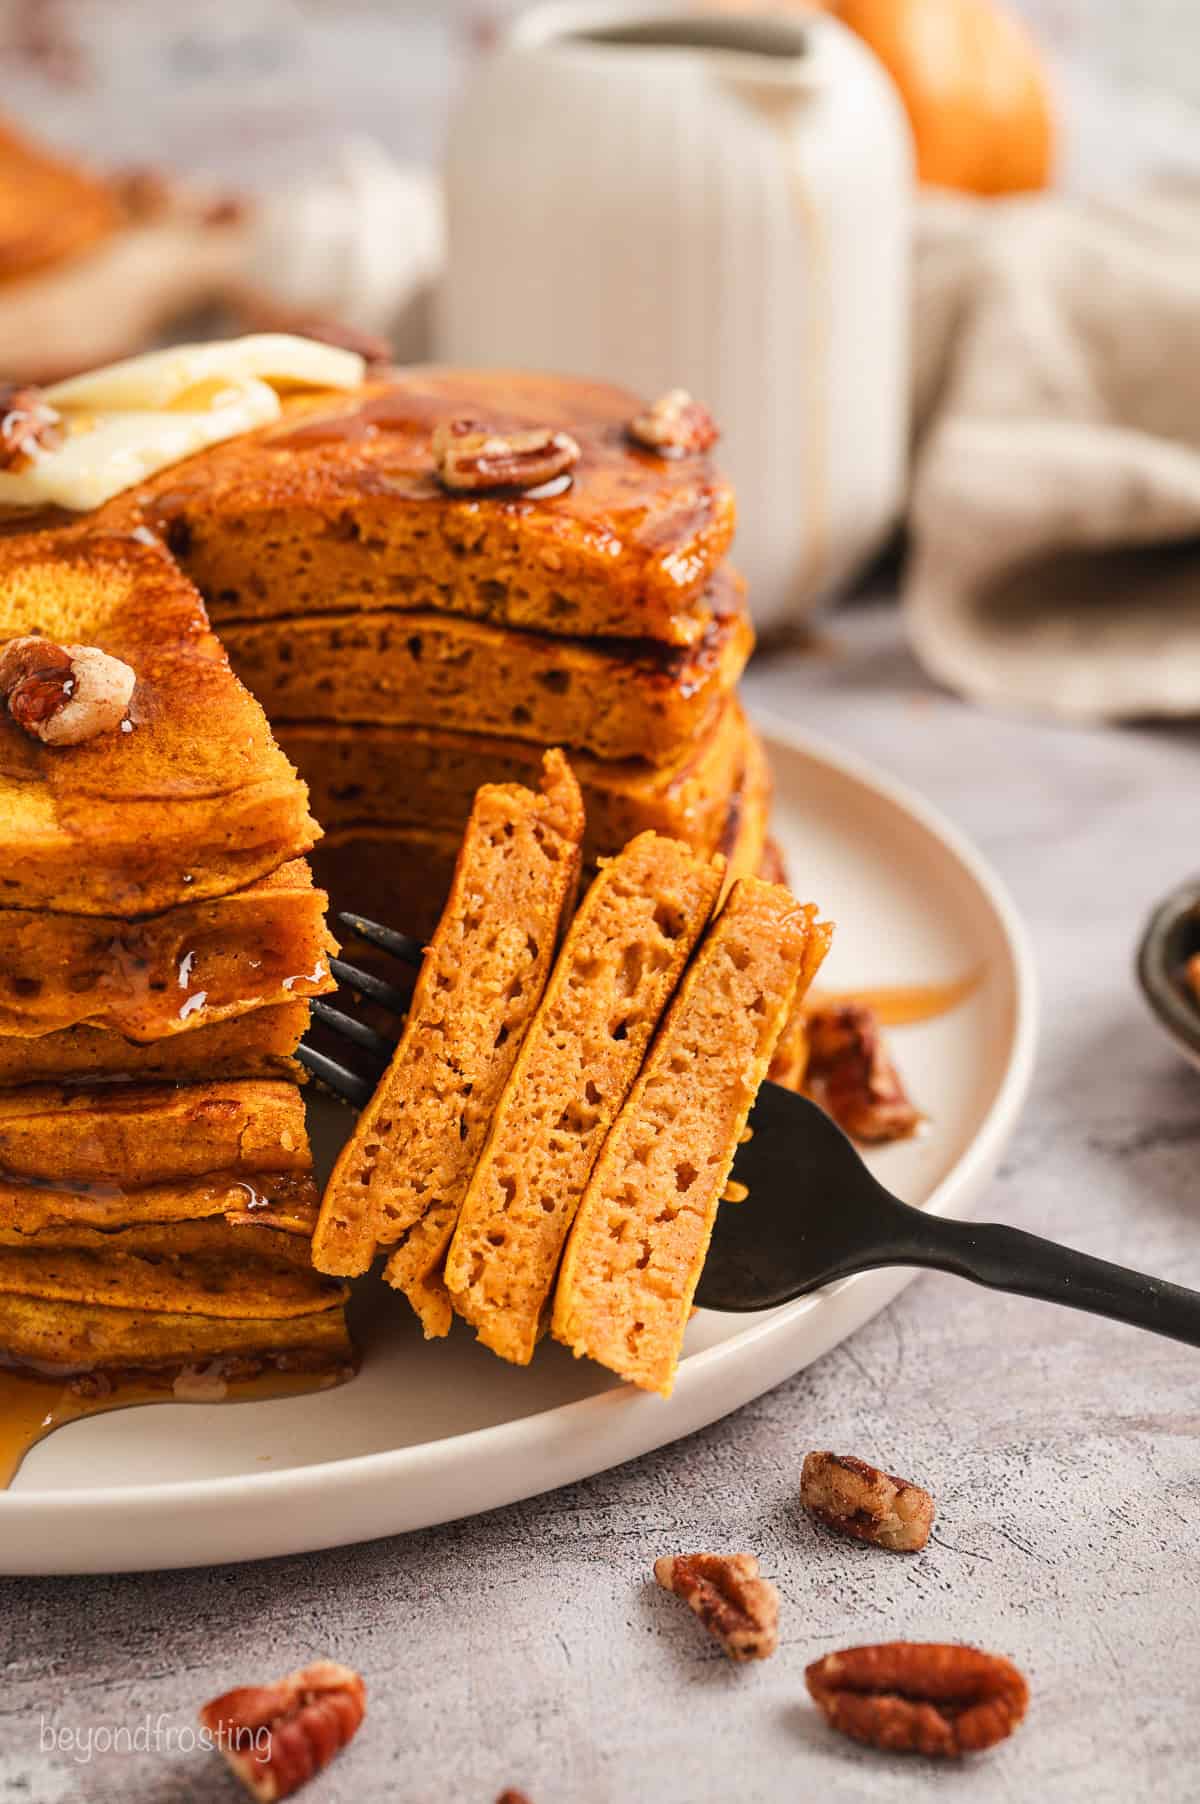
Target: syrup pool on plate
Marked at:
900, 1005
32, 1406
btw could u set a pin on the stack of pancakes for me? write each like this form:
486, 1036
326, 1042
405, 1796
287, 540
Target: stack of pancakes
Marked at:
410, 643
159, 934
159, 928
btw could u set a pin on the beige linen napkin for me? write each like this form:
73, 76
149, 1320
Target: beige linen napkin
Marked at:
1055, 509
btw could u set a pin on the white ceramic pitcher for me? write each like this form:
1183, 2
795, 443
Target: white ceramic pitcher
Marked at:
672, 199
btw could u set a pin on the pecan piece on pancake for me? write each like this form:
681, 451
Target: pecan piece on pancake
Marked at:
63, 694
737, 1607
470, 456
28, 425
277, 1737
851, 1072
675, 426
913, 1697
856, 1499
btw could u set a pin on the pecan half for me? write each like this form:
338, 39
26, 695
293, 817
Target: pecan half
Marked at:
276, 1737
675, 426
512, 1797
853, 1075
736, 1606
471, 456
920, 1697
28, 425
856, 1499
63, 694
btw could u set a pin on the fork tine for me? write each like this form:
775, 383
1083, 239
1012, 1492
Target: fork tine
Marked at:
357, 1032
400, 945
367, 984
346, 1084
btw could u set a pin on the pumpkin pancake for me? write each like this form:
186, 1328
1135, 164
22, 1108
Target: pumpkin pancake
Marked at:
158, 976
614, 698
401, 1176
194, 800
65, 1339
259, 1043
130, 1136
204, 1238
789, 1063
402, 874
744, 835
337, 508
426, 777
283, 1200
638, 1243
623, 955
178, 1280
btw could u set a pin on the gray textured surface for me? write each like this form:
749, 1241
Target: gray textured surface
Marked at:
529, 1647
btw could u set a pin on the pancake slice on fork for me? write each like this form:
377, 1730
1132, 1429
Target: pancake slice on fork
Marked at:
402, 1176
638, 1243
622, 958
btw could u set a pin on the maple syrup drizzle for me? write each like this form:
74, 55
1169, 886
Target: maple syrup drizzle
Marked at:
32, 1407
398, 410
900, 1005
632, 475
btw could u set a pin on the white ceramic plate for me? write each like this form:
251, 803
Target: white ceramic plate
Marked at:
429, 1433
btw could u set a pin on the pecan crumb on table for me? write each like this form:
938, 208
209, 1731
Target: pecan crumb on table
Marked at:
277, 1737
856, 1499
737, 1607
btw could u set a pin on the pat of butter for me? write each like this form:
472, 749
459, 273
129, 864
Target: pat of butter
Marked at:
110, 452
122, 424
159, 378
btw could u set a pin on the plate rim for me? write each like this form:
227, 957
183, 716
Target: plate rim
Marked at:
22, 1509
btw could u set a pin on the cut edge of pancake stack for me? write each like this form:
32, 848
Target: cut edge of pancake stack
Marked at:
427, 653
552, 1138
156, 1188
410, 642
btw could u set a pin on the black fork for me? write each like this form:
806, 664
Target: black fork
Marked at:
814, 1214
388, 1002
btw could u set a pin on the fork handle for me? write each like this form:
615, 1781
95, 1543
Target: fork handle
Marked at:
1008, 1259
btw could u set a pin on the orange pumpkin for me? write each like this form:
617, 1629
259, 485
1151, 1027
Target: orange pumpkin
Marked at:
974, 86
